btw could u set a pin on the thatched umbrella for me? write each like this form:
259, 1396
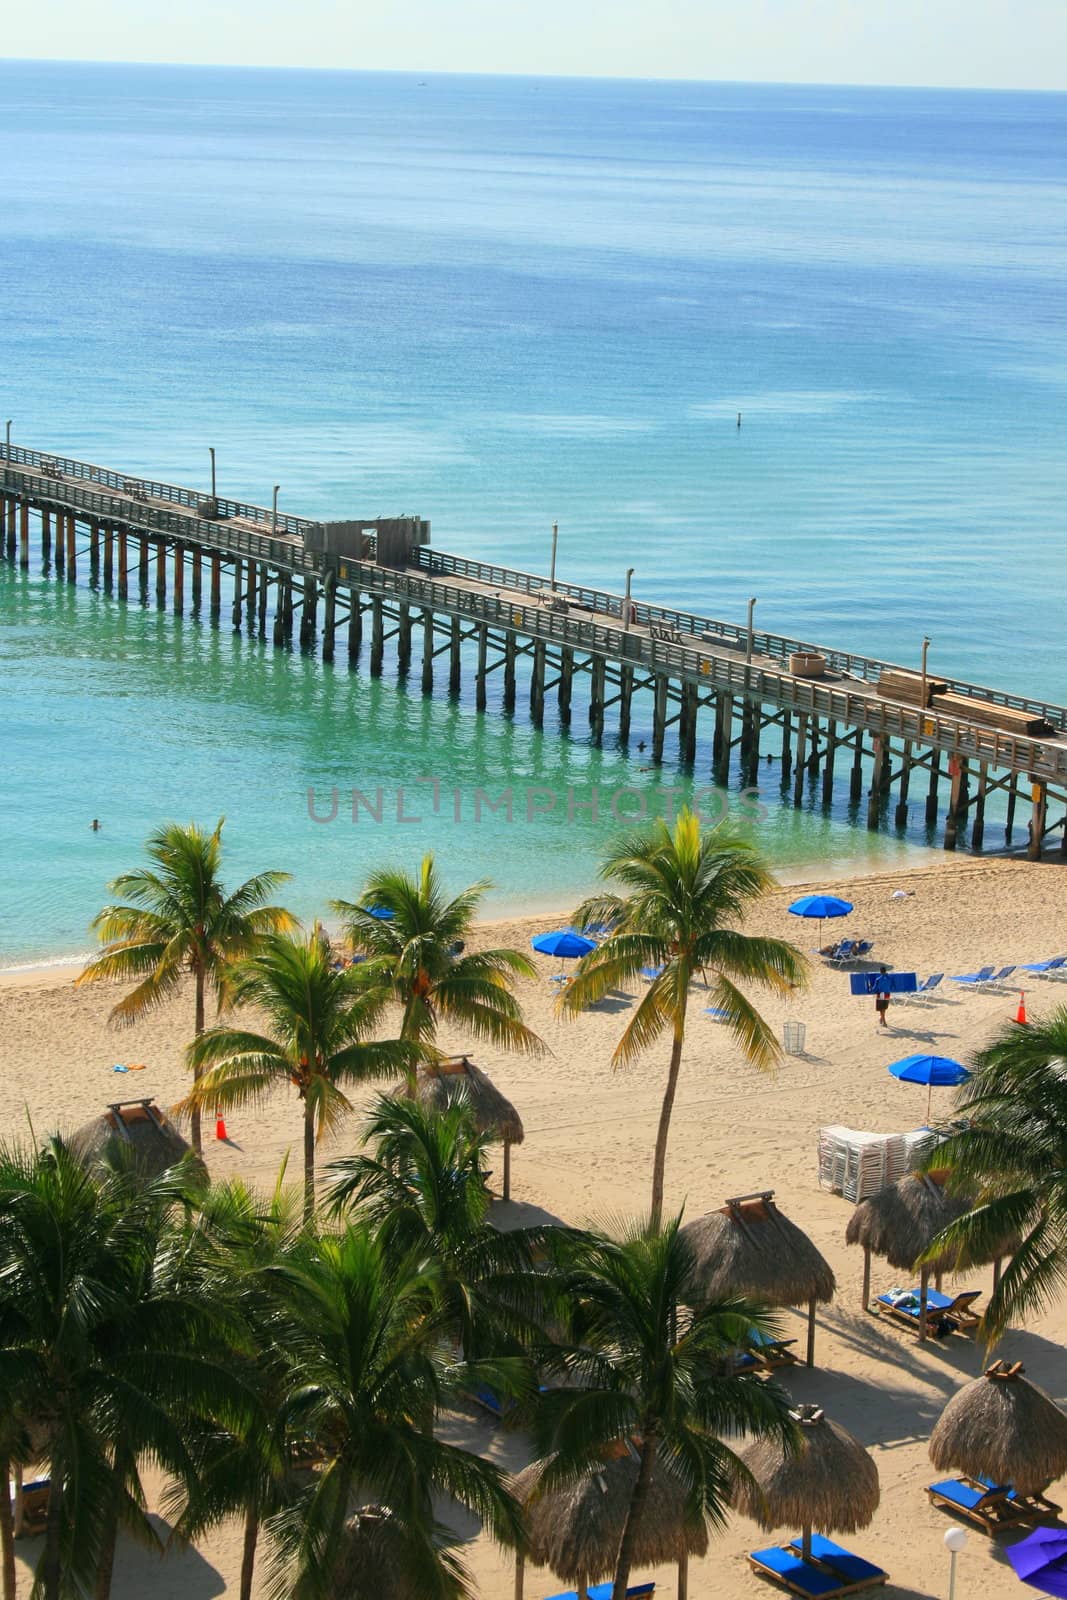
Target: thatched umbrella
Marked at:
749, 1248
374, 1559
830, 1483
1003, 1427
138, 1127
438, 1083
577, 1530
902, 1221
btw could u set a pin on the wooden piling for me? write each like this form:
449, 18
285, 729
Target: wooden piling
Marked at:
427, 650
1009, 823
659, 716
72, 549
855, 780
900, 815
722, 738
455, 659
216, 586
109, 555
480, 698
688, 731
238, 590
161, 570
309, 614
329, 609
879, 771
377, 637
196, 575
179, 579
251, 581
597, 675
932, 791
1038, 815
403, 640
283, 610
46, 536
957, 805
537, 685
787, 752
24, 534
626, 693
828, 764
124, 563
508, 704
802, 745
566, 682
355, 624
978, 828
94, 544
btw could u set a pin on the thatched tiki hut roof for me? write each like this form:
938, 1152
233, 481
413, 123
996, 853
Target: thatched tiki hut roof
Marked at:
1003, 1427
577, 1530
902, 1221
374, 1558
437, 1084
137, 1129
748, 1248
829, 1483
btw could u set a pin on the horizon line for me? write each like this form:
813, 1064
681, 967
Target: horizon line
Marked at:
550, 77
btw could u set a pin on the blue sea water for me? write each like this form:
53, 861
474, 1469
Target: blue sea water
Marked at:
500, 302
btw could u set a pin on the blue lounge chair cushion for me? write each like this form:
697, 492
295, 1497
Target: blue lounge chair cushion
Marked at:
964, 1495
853, 1568
602, 1591
790, 1569
973, 977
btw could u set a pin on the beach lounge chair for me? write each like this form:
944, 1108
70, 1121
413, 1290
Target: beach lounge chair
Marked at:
650, 974
940, 1308
973, 979
602, 1591
844, 952
863, 948
998, 978
926, 989
1042, 969
800, 1577
771, 1353
718, 1013
30, 1505
988, 1505
854, 1570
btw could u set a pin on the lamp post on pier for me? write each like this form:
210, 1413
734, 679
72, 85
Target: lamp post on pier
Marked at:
7, 440
922, 691
626, 602
552, 568
748, 646
274, 512
211, 453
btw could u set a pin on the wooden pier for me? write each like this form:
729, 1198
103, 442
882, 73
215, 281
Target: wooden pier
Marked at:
839, 724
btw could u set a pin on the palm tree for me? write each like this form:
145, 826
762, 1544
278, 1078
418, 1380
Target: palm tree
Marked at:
368, 1347
110, 1351
320, 1019
424, 1192
1013, 1159
417, 946
176, 918
645, 1372
685, 893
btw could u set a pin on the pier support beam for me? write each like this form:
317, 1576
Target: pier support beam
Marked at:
596, 698
283, 611
238, 590
1038, 815
309, 614
537, 685
687, 728
161, 571
329, 608
659, 716
828, 764
72, 550
722, 738
427, 651
957, 805
46, 536
403, 640
978, 829
479, 671
455, 659
1009, 822
900, 815
216, 586
878, 777
196, 575
124, 563
94, 545
355, 624
509, 674
264, 595
109, 555
932, 792
377, 637
24, 534
566, 682
802, 746
626, 694
855, 780
179, 579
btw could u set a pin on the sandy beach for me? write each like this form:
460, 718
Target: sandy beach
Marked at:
587, 1155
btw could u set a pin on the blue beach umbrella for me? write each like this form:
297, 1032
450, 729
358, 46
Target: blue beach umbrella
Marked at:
1041, 1560
934, 1071
821, 906
565, 943
382, 913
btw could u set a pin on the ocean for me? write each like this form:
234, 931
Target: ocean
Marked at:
500, 303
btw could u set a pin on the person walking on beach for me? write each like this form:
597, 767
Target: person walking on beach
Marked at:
881, 995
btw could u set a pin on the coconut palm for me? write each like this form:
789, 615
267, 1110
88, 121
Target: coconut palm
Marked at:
175, 919
685, 893
648, 1374
321, 1019
368, 1346
1012, 1160
110, 1352
416, 942
424, 1191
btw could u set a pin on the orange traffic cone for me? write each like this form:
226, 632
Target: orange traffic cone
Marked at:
1020, 1015
220, 1126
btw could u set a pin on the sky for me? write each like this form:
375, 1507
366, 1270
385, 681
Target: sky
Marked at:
999, 44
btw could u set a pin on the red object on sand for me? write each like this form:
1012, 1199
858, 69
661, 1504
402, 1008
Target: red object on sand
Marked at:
1020, 1015
220, 1127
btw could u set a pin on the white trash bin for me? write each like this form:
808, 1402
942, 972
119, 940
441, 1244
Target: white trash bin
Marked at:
793, 1035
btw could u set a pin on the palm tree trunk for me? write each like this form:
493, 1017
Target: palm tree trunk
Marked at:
409, 1034
659, 1163
309, 1161
198, 1030
248, 1554
106, 1563
7, 1531
50, 1571
633, 1520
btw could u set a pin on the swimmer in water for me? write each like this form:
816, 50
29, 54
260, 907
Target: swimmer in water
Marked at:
95, 824
640, 744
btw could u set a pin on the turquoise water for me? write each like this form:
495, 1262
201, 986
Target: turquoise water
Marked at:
498, 303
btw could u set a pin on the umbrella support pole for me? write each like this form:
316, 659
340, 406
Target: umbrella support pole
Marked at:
683, 1576
520, 1563
805, 1542
811, 1331
866, 1278
507, 1169
924, 1284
